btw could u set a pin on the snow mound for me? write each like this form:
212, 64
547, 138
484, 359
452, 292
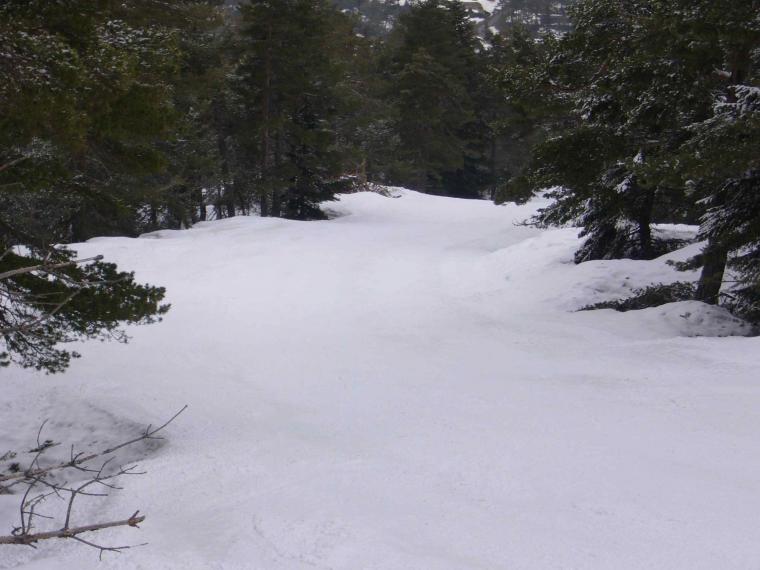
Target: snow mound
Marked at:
690, 319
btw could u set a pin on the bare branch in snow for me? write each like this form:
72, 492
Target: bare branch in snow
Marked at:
99, 480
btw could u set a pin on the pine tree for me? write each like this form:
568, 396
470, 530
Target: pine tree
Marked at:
287, 85
436, 76
638, 76
87, 113
720, 162
519, 105
48, 298
88, 100
366, 137
177, 196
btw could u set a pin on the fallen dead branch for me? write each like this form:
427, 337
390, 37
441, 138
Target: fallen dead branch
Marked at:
97, 483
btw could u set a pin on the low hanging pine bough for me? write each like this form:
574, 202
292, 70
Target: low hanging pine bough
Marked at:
49, 298
39, 486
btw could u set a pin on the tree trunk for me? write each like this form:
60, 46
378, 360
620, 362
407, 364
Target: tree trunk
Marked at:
265, 135
222, 189
276, 192
492, 164
201, 206
711, 279
361, 175
276, 203
645, 236
644, 223
238, 196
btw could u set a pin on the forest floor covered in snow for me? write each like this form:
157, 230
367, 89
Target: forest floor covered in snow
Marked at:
406, 386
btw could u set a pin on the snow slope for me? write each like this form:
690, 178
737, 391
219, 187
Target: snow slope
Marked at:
406, 386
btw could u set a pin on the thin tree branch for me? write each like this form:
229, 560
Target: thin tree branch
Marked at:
42, 319
30, 539
12, 163
46, 267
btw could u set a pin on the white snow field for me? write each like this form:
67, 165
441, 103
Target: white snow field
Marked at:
407, 387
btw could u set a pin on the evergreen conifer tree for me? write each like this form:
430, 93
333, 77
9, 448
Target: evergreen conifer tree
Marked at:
719, 160
89, 111
436, 77
287, 85
519, 105
638, 76
87, 118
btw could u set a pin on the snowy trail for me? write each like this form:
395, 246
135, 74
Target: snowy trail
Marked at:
406, 387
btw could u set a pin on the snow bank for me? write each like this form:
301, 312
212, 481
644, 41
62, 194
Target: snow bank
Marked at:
692, 318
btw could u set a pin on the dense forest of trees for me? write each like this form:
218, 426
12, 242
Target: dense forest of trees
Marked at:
118, 118
145, 116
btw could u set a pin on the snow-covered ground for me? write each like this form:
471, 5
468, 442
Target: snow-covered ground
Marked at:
407, 386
